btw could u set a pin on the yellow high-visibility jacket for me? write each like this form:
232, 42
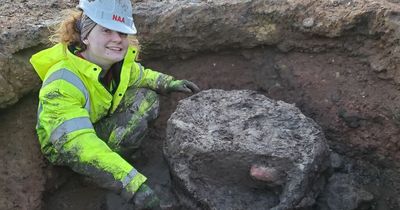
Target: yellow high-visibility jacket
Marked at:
72, 98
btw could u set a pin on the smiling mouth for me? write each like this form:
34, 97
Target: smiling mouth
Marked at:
114, 48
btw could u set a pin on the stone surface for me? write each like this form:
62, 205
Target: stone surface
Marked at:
241, 150
193, 25
343, 193
177, 27
23, 31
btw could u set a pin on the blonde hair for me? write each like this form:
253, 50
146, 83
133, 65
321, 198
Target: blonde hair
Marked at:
67, 32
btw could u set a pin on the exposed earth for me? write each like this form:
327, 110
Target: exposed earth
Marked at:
339, 67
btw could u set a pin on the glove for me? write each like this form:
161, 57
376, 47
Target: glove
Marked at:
145, 198
182, 86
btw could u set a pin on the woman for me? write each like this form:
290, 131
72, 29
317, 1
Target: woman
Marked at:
91, 75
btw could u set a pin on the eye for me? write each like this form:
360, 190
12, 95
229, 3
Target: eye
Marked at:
122, 34
106, 30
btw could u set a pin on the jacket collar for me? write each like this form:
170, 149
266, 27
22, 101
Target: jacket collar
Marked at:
45, 59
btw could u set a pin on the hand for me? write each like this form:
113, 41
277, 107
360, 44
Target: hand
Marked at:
182, 86
145, 198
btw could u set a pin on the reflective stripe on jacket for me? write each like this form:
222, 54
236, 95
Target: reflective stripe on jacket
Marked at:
72, 98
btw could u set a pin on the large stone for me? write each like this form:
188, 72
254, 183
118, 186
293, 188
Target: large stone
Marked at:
175, 27
24, 29
194, 25
17, 78
242, 150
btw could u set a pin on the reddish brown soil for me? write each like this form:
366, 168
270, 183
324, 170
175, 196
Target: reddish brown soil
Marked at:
21, 178
355, 108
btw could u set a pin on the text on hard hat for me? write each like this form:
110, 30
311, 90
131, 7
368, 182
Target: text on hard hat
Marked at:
118, 18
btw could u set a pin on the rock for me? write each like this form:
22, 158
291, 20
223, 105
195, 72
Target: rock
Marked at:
203, 25
308, 22
112, 201
343, 193
242, 150
340, 2
24, 31
16, 78
336, 161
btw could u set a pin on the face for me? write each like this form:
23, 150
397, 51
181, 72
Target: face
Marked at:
105, 47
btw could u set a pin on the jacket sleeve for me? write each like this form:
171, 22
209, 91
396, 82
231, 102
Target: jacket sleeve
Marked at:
147, 78
61, 114
67, 137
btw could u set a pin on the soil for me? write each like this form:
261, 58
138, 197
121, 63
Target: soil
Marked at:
356, 107
320, 84
21, 178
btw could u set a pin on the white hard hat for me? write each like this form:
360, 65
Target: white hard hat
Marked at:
112, 14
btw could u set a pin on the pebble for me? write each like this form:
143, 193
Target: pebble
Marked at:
308, 22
